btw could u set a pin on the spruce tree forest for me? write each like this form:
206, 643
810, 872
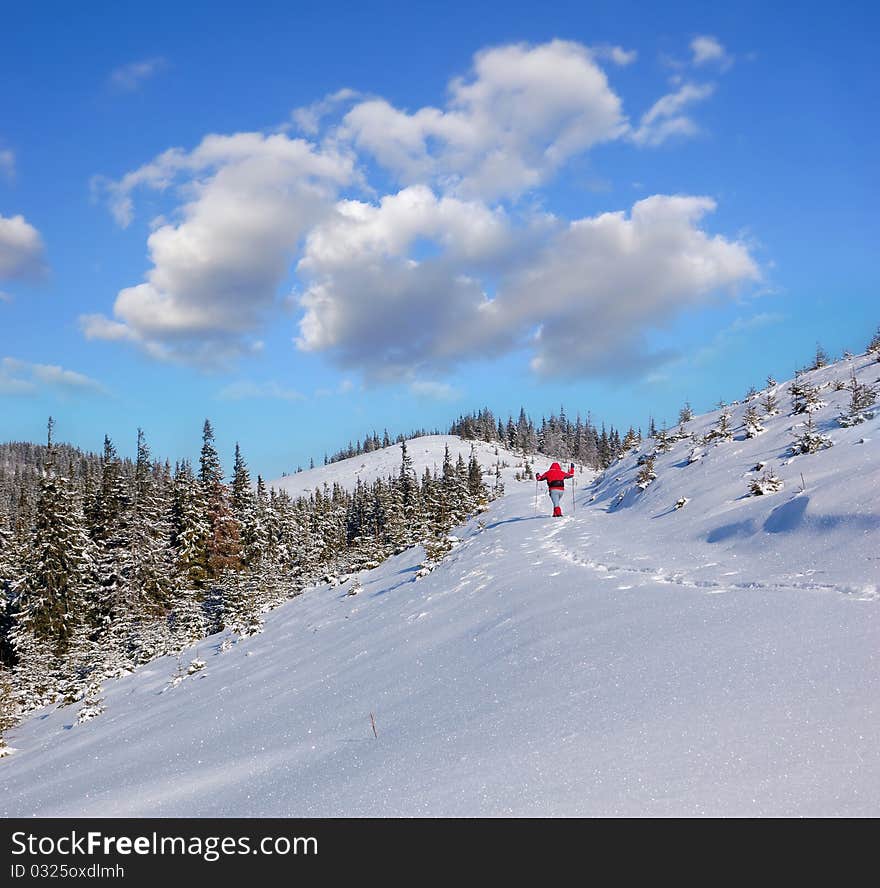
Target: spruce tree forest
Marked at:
107, 563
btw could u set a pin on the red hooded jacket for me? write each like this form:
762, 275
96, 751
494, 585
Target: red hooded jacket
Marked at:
555, 477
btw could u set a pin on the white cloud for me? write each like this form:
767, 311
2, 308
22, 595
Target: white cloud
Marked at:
308, 118
523, 112
448, 268
128, 78
437, 391
7, 163
576, 294
215, 274
21, 249
706, 49
616, 54
247, 390
21, 377
386, 281
664, 119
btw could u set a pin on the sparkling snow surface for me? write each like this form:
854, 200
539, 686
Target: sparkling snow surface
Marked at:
720, 659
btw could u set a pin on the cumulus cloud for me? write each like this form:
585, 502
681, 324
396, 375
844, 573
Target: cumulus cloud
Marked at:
665, 118
449, 267
574, 294
309, 117
130, 77
217, 268
616, 54
391, 281
522, 112
22, 378
21, 249
706, 50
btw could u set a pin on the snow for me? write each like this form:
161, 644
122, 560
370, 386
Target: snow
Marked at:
626, 660
426, 452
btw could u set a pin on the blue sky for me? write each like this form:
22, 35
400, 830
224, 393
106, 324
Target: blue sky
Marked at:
380, 215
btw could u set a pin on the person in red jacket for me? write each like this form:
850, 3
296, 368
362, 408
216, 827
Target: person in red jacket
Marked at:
555, 478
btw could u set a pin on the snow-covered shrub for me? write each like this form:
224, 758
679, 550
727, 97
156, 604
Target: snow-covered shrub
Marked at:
696, 455
197, 665
770, 402
664, 441
862, 397
355, 587
768, 483
874, 345
681, 503
810, 441
752, 422
93, 702
723, 431
647, 474
686, 414
804, 397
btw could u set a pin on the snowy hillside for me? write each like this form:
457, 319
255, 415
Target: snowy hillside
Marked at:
629, 659
821, 530
426, 452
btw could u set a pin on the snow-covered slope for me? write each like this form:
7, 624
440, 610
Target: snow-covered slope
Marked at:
821, 530
425, 452
719, 659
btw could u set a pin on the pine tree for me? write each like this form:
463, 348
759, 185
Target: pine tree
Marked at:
685, 415
111, 534
821, 358
863, 396
874, 345
768, 483
56, 568
810, 441
151, 557
191, 532
9, 709
723, 431
477, 491
646, 474
770, 402
752, 422
224, 546
245, 512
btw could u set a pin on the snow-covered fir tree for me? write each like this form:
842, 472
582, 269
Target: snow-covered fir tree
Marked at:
863, 397
752, 422
647, 473
873, 348
9, 708
768, 483
810, 440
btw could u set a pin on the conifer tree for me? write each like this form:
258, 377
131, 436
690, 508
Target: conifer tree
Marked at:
9, 709
752, 422
874, 345
57, 566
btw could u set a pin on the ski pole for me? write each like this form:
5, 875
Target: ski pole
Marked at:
536, 497
572, 491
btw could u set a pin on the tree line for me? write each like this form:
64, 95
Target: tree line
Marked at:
107, 563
